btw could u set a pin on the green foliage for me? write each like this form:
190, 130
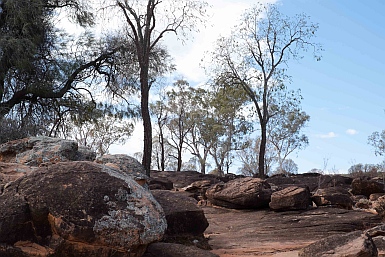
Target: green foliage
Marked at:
289, 167
284, 127
248, 157
370, 170
146, 24
32, 54
49, 80
177, 122
12, 130
255, 57
228, 103
377, 140
204, 122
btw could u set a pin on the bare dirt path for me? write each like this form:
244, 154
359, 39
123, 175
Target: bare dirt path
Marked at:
245, 233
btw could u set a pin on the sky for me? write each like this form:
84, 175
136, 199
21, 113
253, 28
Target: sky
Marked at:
343, 93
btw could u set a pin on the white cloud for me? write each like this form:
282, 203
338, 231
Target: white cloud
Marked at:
133, 145
328, 135
351, 132
225, 14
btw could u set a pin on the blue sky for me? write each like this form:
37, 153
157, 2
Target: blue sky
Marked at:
343, 93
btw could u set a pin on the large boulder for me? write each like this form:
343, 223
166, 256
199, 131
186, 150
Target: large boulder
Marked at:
160, 183
366, 186
241, 193
184, 217
175, 250
198, 189
34, 151
291, 198
185, 178
333, 196
313, 180
126, 164
378, 235
374, 197
351, 244
379, 206
78, 209
12, 171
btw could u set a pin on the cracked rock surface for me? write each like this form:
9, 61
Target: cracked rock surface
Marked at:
78, 209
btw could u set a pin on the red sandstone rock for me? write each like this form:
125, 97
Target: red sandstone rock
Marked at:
291, 198
79, 209
241, 193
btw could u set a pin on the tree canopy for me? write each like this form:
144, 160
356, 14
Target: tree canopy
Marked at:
256, 55
47, 74
92, 87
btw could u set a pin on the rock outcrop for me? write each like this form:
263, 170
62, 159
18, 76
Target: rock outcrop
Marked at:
185, 178
241, 193
184, 217
175, 250
313, 180
291, 198
12, 171
78, 209
198, 189
379, 206
125, 164
333, 196
366, 186
34, 151
350, 244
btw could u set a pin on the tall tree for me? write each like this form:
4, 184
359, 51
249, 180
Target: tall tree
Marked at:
148, 22
203, 126
43, 78
159, 110
377, 140
255, 56
288, 167
31, 54
228, 106
284, 129
98, 128
248, 157
177, 122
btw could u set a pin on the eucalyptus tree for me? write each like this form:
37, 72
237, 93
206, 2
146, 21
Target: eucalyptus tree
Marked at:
160, 111
256, 55
147, 23
32, 54
377, 140
288, 167
248, 157
177, 121
229, 105
46, 74
98, 128
284, 129
204, 129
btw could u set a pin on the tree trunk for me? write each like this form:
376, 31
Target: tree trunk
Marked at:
202, 163
262, 150
162, 157
179, 167
147, 129
280, 160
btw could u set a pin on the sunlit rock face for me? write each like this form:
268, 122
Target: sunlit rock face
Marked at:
35, 151
78, 209
241, 193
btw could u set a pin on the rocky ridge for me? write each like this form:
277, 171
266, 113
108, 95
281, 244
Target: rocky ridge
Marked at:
57, 200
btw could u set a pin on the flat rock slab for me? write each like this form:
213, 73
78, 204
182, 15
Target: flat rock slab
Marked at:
267, 233
175, 250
